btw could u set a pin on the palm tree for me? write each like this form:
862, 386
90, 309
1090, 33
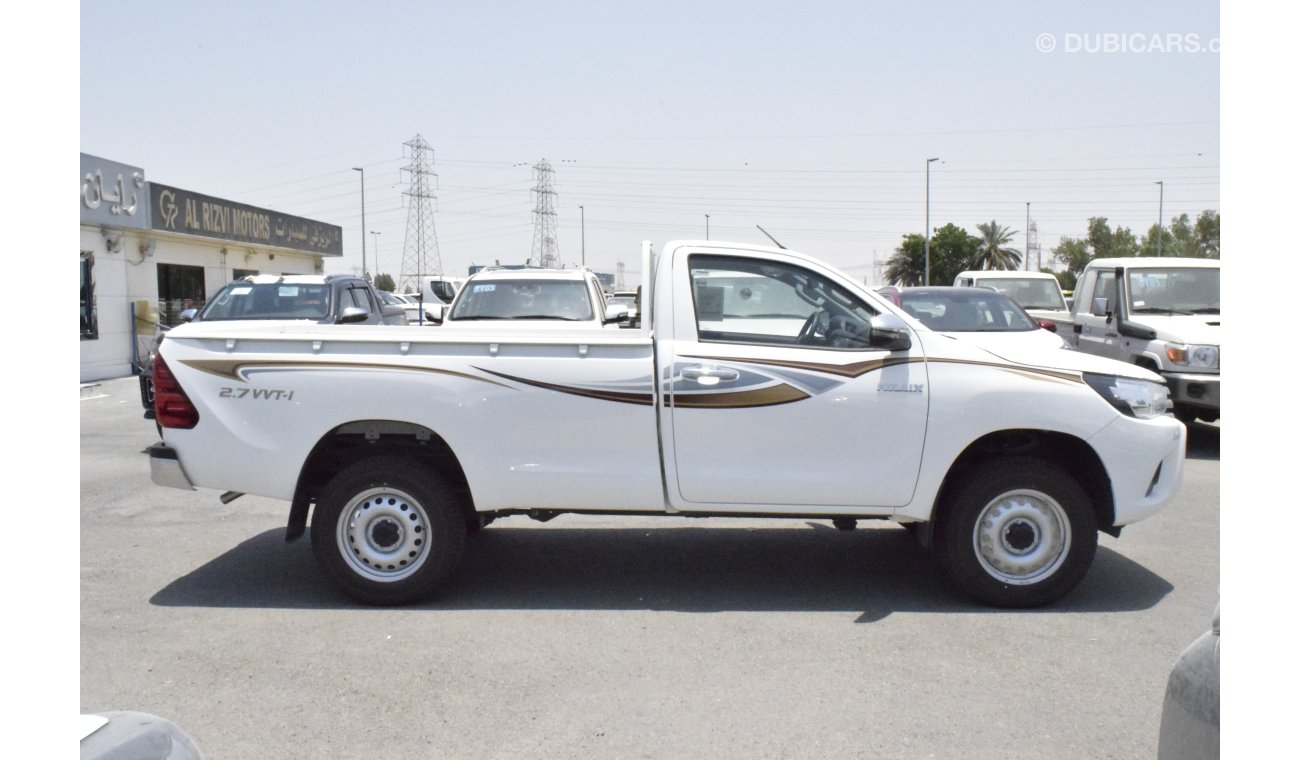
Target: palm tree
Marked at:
993, 252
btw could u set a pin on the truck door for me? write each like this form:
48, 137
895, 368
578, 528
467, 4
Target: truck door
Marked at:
772, 398
1097, 333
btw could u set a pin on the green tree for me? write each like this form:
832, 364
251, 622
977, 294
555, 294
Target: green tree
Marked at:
1110, 244
1073, 253
385, 282
952, 250
1207, 233
1169, 245
993, 250
907, 266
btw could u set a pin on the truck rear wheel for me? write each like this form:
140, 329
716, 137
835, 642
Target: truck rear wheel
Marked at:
386, 532
1016, 533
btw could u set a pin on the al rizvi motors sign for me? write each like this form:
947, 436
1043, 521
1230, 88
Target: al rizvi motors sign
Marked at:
188, 213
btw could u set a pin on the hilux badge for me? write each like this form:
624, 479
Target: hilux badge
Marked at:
910, 388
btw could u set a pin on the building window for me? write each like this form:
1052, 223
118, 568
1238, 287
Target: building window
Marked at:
89, 322
179, 288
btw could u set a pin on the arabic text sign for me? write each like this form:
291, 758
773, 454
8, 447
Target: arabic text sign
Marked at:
187, 213
113, 194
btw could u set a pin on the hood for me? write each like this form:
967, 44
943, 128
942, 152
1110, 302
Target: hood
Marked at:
1202, 329
1010, 345
1025, 352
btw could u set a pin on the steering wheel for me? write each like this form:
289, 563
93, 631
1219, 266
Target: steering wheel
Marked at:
817, 322
843, 332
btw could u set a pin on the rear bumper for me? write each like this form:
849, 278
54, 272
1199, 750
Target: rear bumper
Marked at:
165, 467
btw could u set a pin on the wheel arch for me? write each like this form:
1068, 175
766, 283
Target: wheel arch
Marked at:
1066, 451
364, 439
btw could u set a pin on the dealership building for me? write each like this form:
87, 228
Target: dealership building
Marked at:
149, 251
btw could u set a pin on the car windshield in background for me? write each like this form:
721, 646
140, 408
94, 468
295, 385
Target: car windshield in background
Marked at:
247, 300
1194, 290
967, 310
1029, 293
524, 299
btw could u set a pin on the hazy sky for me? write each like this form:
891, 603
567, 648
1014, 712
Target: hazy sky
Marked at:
812, 119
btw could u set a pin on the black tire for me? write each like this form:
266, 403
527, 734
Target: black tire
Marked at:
1016, 532
385, 531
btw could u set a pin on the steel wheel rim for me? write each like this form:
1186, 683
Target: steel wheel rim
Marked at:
1022, 537
383, 534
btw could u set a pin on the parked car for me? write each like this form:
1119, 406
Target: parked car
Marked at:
324, 299
978, 315
1189, 718
623, 299
1160, 313
1038, 292
433, 299
568, 297
121, 735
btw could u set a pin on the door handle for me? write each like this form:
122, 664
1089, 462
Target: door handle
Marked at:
709, 375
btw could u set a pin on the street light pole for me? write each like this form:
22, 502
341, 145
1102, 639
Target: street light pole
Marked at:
377, 232
583, 221
1160, 222
928, 161
363, 220
1026, 236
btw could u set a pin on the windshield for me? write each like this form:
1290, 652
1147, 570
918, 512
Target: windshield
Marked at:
1029, 292
246, 300
567, 300
1193, 290
967, 310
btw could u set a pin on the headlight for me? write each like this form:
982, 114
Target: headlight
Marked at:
1136, 398
1200, 357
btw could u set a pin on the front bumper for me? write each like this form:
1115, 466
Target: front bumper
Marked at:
165, 467
1144, 459
1190, 389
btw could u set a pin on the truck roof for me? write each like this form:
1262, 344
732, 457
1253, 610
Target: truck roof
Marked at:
1005, 274
1149, 262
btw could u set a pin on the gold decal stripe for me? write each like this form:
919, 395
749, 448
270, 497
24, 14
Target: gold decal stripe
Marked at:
859, 369
1020, 369
236, 369
856, 369
625, 397
773, 396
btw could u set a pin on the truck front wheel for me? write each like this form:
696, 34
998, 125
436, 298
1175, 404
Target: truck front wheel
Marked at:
1016, 533
385, 531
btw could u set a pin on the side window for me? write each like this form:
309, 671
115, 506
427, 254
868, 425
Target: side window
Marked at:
739, 300
89, 322
360, 297
1105, 289
597, 298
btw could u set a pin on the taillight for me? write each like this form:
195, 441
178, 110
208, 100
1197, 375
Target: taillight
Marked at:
172, 408
1047, 325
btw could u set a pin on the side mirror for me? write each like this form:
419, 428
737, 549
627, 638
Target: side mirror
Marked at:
889, 333
1100, 307
352, 315
188, 315
617, 313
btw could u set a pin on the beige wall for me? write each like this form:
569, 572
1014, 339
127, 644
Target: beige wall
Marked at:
129, 273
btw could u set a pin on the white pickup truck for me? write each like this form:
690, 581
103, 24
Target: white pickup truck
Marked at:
757, 382
1161, 313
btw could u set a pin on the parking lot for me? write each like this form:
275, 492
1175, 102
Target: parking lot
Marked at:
619, 637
